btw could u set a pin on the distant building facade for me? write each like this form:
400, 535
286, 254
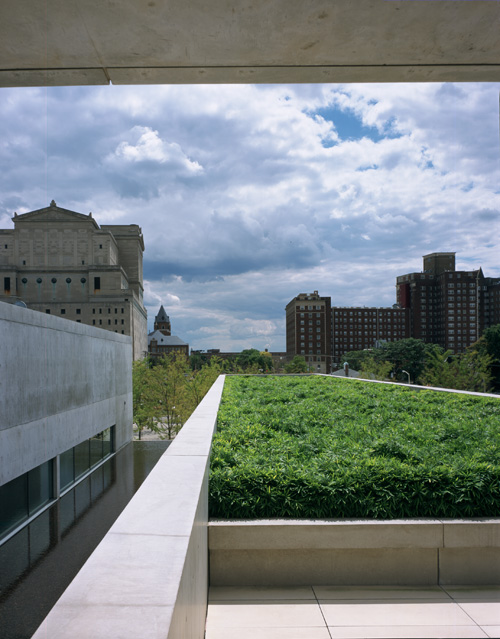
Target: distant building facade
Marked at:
161, 341
63, 263
359, 328
309, 330
439, 305
448, 307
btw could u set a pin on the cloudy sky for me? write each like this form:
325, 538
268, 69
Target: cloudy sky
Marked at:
249, 195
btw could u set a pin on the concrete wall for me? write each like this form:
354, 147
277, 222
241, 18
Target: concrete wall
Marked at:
133, 42
149, 575
60, 383
356, 552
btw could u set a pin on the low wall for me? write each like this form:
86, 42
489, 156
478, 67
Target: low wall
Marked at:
61, 382
149, 575
399, 552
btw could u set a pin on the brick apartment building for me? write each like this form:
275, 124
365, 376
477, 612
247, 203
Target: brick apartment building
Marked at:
439, 305
309, 330
448, 307
355, 329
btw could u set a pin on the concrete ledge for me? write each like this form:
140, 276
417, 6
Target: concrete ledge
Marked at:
354, 552
322, 535
149, 575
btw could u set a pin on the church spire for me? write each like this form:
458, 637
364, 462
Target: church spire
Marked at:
162, 322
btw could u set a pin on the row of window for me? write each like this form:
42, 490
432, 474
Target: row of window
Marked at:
372, 314
29, 493
78, 311
109, 322
109, 311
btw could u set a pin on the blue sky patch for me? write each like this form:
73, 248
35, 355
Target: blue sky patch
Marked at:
350, 127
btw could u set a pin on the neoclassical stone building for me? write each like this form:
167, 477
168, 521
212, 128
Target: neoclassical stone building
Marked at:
61, 262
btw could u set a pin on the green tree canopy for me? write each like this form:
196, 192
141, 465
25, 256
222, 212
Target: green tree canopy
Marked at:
252, 360
297, 365
166, 394
467, 371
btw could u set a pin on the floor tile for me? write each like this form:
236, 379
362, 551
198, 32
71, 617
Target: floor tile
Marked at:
395, 613
268, 633
428, 593
406, 632
483, 613
264, 614
249, 593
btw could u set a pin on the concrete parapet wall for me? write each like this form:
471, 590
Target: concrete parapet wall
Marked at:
149, 575
354, 552
61, 382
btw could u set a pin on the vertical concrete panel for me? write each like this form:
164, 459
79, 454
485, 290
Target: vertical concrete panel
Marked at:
60, 382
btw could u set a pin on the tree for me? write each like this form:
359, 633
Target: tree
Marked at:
166, 394
200, 380
355, 359
252, 361
297, 365
406, 354
143, 398
169, 384
491, 338
373, 369
468, 371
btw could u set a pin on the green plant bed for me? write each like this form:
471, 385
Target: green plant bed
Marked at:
317, 447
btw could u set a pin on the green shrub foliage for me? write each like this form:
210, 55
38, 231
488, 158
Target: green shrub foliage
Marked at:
316, 447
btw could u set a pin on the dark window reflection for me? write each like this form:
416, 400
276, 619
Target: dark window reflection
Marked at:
13, 503
82, 458
66, 468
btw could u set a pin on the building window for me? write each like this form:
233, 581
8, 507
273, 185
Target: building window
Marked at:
123, 322
6, 284
47, 310
78, 311
63, 311
93, 311
100, 311
25, 495
93, 322
109, 322
97, 283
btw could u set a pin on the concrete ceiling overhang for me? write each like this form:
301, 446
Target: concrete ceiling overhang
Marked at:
90, 42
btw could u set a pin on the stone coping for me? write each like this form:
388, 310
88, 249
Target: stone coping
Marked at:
354, 552
354, 533
149, 575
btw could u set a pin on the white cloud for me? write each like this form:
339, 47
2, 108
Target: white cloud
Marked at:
147, 146
248, 195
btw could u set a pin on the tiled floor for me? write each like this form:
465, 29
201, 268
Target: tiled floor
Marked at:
333, 612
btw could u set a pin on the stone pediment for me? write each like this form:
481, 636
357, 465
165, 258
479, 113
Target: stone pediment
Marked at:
54, 213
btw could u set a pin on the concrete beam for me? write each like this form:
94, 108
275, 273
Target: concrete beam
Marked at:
237, 41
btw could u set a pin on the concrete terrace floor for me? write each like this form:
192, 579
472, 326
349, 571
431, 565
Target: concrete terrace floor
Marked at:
353, 612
